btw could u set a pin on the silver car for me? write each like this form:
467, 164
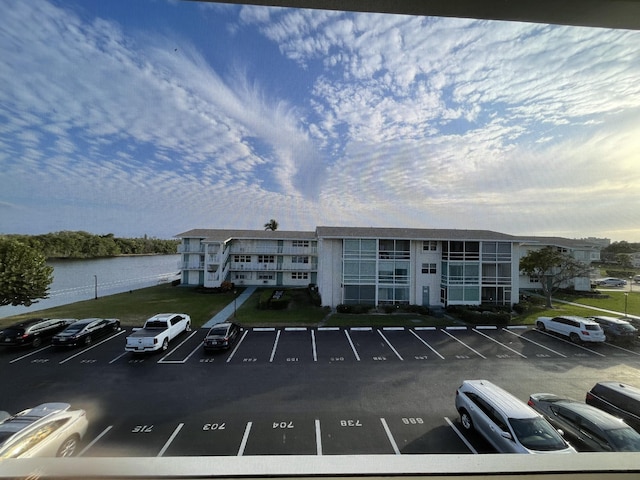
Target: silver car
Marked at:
507, 423
48, 430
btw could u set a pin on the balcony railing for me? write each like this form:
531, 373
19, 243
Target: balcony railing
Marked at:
190, 248
272, 250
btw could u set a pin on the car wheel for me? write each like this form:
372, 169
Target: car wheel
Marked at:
36, 342
574, 337
68, 447
540, 326
465, 420
165, 345
116, 327
188, 329
87, 340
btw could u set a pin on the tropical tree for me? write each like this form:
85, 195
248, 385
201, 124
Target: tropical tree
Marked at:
271, 225
553, 268
24, 275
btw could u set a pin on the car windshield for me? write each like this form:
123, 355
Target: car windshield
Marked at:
625, 439
537, 434
625, 327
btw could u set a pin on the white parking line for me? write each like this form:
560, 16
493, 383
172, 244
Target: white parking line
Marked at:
94, 441
295, 329
171, 438
118, 357
237, 346
462, 343
535, 343
352, 345
623, 349
430, 347
390, 346
499, 343
275, 346
393, 329
162, 360
29, 354
318, 438
361, 329
571, 343
89, 348
455, 429
313, 346
424, 328
328, 329
264, 329
390, 436
245, 438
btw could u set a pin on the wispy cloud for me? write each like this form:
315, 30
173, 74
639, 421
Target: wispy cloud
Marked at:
405, 121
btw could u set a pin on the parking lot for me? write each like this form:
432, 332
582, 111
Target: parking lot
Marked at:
297, 391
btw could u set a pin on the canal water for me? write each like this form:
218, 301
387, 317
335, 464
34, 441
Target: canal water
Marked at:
77, 280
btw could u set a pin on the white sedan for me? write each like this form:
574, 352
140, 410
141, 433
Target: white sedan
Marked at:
578, 329
48, 430
611, 282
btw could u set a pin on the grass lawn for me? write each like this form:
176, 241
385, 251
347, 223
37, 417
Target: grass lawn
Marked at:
134, 308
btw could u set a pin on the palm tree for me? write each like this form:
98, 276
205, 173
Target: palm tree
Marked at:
271, 225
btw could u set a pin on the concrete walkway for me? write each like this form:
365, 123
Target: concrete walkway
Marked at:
227, 312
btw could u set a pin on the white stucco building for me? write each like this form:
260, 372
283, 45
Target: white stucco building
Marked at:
377, 266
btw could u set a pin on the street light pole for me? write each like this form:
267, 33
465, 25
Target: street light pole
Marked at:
626, 297
95, 281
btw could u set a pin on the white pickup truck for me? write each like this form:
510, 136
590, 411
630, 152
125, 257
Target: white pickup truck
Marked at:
157, 332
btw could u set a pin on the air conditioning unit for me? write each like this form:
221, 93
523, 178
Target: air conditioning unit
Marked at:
265, 281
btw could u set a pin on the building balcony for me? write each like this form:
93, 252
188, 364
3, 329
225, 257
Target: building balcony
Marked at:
272, 250
190, 248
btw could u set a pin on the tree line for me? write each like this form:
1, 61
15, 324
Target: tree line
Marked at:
78, 244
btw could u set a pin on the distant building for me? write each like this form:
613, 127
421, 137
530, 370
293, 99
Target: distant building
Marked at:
376, 266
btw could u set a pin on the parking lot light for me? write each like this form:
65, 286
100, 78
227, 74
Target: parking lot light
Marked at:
626, 297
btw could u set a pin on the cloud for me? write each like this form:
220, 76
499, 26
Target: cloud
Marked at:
363, 119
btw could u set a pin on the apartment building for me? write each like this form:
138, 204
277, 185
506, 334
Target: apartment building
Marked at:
377, 266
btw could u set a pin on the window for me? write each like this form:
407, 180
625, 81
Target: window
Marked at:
266, 258
300, 275
242, 258
429, 246
297, 259
300, 243
429, 268
265, 276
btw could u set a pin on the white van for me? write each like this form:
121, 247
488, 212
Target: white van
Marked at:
509, 424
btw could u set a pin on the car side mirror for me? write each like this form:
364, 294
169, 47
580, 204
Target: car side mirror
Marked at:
561, 432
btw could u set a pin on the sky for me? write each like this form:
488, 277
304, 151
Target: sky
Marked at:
154, 117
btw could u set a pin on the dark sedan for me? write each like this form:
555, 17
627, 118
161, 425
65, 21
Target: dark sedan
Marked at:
587, 428
617, 330
221, 336
33, 331
85, 331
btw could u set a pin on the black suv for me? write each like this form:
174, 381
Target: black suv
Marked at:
617, 330
618, 399
33, 331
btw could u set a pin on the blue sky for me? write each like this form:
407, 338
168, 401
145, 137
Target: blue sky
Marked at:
156, 117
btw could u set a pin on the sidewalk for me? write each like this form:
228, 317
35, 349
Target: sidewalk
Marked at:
227, 312
611, 312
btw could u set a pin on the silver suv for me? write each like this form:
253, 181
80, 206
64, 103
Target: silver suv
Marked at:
507, 423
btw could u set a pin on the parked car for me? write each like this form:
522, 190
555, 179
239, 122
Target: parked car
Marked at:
578, 329
85, 331
33, 331
157, 332
221, 336
636, 279
616, 330
509, 424
618, 399
587, 428
48, 430
611, 282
